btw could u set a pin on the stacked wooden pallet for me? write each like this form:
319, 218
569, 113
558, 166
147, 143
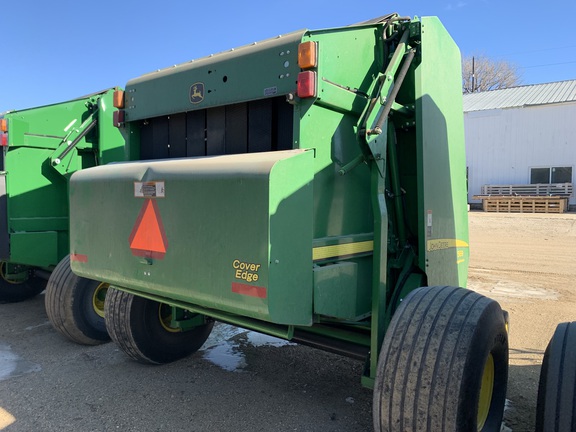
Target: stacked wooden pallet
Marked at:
534, 198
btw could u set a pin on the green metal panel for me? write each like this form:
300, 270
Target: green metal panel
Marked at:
255, 71
45, 145
336, 291
346, 69
38, 249
443, 217
349, 59
238, 231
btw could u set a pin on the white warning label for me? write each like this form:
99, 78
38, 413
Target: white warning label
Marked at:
152, 189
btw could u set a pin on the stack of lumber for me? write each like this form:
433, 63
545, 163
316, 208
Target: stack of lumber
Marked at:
533, 198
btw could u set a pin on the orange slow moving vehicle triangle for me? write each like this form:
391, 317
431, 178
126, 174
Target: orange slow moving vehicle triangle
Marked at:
148, 238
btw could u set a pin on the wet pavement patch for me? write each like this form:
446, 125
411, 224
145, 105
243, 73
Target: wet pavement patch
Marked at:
224, 346
12, 365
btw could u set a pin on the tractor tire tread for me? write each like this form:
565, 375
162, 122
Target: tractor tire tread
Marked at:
556, 406
425, 359
60, 304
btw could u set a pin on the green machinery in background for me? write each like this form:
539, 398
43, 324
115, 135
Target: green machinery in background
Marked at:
41, 148
311, 187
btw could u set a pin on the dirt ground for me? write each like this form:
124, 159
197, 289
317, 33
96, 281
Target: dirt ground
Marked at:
527, 262
241, 382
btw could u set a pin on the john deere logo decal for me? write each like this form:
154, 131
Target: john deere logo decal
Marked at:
197, 93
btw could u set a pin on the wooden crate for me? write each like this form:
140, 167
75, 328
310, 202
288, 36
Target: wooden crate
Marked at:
524, 204
531, 198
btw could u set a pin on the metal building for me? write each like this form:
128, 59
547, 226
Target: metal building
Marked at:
521, 135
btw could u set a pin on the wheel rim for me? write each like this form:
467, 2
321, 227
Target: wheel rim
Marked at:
4, 265
486, 390
165, 318
98, 299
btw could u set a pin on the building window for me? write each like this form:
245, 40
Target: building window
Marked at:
551, 175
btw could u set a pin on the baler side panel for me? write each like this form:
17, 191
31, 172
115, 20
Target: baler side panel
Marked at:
37, 194
443, 218
348, 62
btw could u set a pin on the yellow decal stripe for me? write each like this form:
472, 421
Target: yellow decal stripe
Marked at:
323, 252
440, 244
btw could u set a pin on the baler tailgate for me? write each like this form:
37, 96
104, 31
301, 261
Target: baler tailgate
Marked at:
249, 216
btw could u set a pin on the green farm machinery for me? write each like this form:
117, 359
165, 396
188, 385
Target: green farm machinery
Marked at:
311, 187
41, 148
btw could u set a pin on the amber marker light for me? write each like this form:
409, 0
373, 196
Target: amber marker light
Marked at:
118, 99
307, 55
3, 125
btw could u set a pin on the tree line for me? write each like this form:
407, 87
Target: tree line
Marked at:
481, 73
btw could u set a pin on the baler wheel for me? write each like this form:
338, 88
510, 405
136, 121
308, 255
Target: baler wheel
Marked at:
556, 409
74, 305
443, 364
141, 328
507, 320
12, 291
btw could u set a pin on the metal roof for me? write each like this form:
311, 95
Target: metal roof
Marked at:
535, 94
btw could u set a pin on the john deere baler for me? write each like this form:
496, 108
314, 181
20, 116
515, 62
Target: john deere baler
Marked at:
41, 148
310, 186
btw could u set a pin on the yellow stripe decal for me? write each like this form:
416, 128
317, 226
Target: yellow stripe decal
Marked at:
323, 252
440, 244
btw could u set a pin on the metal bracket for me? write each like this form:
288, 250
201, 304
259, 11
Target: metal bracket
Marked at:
387, 85
62, 159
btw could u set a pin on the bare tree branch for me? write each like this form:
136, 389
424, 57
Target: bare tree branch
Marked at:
488, 74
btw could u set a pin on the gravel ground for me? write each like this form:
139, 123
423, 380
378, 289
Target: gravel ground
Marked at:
235, 384
241, 381
528, 263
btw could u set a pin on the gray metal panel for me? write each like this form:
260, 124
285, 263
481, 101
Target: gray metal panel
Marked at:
260, 125
160, 138
177, 135
216, 131
236, 128
196, 133
529, 95
146, 141
284, 124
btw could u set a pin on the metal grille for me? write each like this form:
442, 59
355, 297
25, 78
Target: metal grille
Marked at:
257, 126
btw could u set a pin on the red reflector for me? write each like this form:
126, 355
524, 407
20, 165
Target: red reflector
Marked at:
306, 84
249, 290
118, 118
4, 140
79, 258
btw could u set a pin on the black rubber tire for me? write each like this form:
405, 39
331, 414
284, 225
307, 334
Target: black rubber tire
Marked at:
70, 308
133, 323
556, 409
16, 292
507, 320
433, 359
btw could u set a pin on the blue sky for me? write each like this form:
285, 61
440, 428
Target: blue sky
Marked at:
57, 50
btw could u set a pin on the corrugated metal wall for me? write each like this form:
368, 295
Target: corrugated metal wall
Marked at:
503, 144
